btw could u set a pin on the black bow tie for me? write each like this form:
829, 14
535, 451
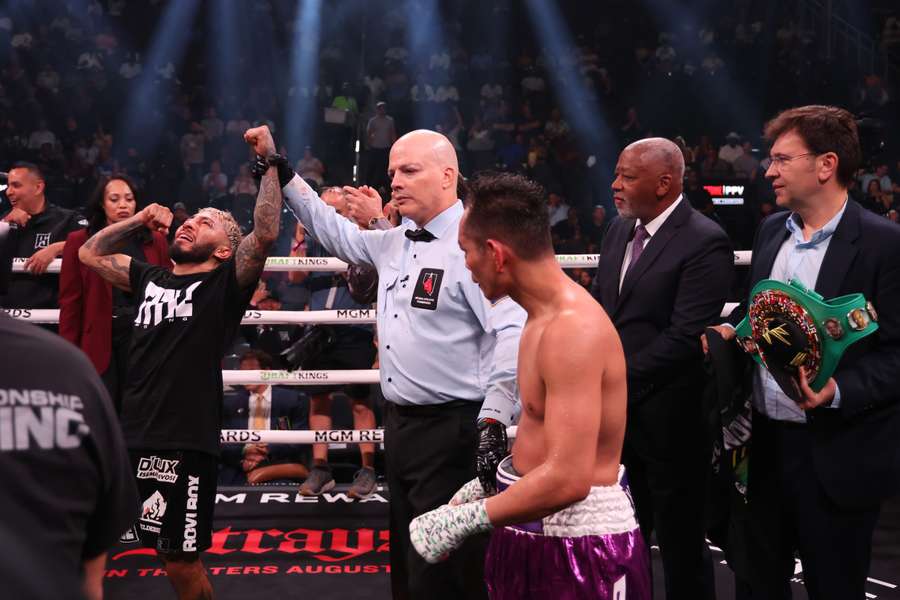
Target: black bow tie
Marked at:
420, 235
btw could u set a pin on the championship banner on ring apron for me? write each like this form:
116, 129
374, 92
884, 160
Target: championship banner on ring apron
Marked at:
788, 326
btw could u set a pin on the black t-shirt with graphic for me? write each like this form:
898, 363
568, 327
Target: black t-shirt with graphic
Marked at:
68, 490
183, 326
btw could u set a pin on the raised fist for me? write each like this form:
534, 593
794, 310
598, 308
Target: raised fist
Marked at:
260, 139
157, 218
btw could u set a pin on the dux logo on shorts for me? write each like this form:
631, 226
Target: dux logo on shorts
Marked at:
161, 304
41, 240
428, 286
160, 469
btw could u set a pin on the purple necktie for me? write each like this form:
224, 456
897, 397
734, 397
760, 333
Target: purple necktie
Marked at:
637, 247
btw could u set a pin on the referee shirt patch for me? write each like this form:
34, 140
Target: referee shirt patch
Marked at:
428, 286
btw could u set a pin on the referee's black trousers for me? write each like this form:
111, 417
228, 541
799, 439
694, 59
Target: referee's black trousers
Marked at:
429, 454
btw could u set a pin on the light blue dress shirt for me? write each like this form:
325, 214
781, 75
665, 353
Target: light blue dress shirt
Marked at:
801, 260
464, 348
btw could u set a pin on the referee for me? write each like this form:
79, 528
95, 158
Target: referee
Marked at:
447, 356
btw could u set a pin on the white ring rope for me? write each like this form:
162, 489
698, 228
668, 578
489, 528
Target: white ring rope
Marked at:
263, 317
324, 436
350, 316
332, 317
331, 264
341, 377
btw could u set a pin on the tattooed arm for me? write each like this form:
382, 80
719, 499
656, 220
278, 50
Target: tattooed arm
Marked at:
250, 257
99, 252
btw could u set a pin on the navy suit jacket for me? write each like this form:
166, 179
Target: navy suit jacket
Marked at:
289, 407
856, 448
675, 290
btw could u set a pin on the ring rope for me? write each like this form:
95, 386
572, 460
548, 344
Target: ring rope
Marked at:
263, 317
276, 377
280, 264
353, 316
323, 436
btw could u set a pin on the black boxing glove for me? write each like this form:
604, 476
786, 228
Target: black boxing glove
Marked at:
493, 447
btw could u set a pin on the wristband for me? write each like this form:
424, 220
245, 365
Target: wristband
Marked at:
285, 172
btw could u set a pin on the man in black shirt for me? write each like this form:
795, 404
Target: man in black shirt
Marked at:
172, 403
39, 234
67, 492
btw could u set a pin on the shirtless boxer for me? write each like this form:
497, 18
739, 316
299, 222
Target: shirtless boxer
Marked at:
563, 523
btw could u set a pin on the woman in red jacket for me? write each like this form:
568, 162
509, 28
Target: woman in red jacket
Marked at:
92, 314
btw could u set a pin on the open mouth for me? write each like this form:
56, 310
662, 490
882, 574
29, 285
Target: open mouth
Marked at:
185, 237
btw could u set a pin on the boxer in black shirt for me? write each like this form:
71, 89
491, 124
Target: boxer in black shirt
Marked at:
172, 403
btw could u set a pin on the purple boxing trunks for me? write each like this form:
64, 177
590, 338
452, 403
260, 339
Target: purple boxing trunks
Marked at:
591, 550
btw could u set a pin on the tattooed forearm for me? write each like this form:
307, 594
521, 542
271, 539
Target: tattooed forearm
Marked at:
250, 260
267, 213
98, 252
250, 257
107, 240
114, 269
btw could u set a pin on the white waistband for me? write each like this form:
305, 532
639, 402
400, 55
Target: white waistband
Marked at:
607, 509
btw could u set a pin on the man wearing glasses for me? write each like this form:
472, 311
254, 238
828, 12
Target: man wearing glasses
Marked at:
821, 466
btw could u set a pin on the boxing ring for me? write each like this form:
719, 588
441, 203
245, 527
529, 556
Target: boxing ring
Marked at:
271, 540
319, 317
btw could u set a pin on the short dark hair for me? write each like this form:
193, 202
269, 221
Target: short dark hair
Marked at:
265, 361
823, 129
30, 167
512, 209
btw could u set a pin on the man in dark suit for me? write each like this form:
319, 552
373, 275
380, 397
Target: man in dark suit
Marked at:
821, 467
663, 276
261, 407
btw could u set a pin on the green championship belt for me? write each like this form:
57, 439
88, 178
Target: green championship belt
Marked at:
788, 326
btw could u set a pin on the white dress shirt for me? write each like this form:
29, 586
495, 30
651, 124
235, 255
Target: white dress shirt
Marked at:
451, 344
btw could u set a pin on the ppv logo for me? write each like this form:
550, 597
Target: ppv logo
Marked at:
724, 190
154, 508
190, 516
157, 468
164, 304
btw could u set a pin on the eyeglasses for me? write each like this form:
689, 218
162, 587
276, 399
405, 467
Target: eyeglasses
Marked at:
779, 160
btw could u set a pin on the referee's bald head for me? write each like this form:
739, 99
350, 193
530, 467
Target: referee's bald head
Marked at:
424, 171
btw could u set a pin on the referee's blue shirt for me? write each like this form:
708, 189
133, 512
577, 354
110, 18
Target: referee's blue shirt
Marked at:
439, 338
